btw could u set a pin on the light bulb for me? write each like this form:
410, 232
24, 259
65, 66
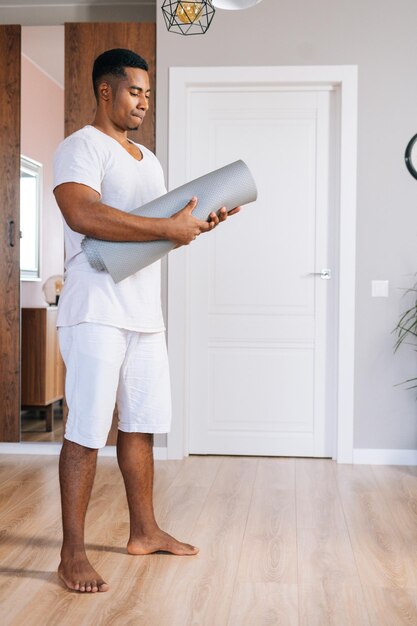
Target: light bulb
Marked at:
189, 12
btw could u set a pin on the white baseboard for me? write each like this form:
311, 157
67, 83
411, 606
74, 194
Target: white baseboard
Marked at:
361, 456
379, 456
160, 454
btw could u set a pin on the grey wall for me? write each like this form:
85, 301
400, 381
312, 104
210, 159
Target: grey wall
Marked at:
380, 38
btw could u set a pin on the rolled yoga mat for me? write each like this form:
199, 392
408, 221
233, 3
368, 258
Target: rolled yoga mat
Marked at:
229, 186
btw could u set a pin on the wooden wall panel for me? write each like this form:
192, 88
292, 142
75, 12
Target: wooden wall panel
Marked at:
9, 233
83, 43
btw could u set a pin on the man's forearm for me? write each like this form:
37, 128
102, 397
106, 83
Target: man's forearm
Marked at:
104, 222
85, 214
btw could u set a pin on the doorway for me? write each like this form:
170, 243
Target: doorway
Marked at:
257, 304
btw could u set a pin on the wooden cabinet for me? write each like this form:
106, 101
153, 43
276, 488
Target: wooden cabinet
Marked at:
42, 374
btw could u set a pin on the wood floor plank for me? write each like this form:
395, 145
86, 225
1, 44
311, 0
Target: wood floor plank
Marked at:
404, 513
391, 607
13, 491
28, 466
355, 479
332, 603
325, 555
317, 497
398, 487
11, 462
382, 556
396, 481
30, 513
264, 604
269, 549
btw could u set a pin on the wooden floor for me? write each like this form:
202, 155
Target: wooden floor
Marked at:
283, 542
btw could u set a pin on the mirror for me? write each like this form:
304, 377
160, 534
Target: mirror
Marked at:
42, 263
30, 218
411, 156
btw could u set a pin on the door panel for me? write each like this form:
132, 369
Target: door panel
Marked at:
257, 318
10, 225
83, 43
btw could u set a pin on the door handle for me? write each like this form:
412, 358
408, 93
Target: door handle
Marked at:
11, 233
325, 274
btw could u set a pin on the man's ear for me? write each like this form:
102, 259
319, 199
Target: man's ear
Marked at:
104, 90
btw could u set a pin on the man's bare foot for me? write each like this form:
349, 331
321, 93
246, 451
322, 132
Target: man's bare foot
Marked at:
159, 541
78, 575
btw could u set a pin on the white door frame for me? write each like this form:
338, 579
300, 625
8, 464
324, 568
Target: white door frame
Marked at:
342, 78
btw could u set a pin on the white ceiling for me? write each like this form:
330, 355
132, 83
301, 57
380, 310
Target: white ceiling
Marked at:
44, 45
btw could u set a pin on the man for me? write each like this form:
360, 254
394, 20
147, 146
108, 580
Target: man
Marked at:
112, 335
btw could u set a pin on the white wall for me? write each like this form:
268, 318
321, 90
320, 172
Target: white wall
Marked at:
380, 38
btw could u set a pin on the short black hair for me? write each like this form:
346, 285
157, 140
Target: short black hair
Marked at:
114, 62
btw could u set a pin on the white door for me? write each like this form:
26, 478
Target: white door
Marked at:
259, 363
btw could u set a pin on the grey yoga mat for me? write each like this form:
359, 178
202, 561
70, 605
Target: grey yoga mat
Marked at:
229, 186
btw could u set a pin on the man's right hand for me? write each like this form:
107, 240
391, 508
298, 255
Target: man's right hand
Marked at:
183, 227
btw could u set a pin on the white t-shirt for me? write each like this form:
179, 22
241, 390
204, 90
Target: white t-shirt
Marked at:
92, 158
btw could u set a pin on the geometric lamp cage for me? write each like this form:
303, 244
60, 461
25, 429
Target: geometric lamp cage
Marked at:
188, 18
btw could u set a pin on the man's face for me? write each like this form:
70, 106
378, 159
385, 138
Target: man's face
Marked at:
130, 99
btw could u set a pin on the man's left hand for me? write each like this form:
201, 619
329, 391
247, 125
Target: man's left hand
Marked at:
215, 218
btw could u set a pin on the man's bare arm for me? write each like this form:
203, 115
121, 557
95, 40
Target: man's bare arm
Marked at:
85, 214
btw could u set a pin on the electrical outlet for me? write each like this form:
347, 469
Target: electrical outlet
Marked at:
380, 288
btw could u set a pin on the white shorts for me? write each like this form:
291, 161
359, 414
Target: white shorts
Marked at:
107, 366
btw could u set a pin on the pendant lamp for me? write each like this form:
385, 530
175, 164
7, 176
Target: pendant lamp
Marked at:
188, 18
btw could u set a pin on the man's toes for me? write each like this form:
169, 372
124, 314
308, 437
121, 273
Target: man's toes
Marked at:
184, 548
82, 587
94, 586
88, 587
102, 586
187, 548
192, 549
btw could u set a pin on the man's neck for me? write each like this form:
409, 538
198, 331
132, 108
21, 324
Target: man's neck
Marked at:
107, 127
